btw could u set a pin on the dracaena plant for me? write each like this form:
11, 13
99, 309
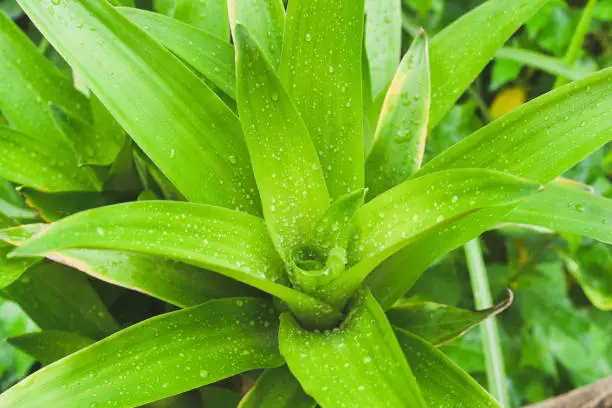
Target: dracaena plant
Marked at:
289, 145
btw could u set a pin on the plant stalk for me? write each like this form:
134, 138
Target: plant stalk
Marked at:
573, 51
494, 359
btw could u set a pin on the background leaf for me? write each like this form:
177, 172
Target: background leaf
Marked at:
277, 387
49, 345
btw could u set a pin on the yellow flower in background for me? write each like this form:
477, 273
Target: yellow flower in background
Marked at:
507, 100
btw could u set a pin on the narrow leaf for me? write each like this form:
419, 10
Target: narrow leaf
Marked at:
232, 243
209, 55
264, 20
12, 269
565, 208
285, 162
54, 206
12, 205
332, 229
159, 357
321, 69
28, 83
50, 345
59, 298
277, 387
401, 133
443, 383
383, 41
462, 50
540, 141
210, 15
551, 65
592, 268
439, 324
174, 117
362, 369
397, 218
34, 163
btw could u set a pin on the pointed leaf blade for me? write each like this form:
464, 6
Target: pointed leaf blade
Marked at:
277, 387
265, 21
461, 51
285, 162
178, 121
49, 346
154, 364
363, 369
401, 133
206, 53
321, 69
565, 208
442, 382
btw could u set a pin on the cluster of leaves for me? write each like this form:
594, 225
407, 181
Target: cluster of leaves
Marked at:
276, 126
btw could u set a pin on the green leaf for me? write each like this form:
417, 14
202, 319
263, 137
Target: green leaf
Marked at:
218, 397
54, 206
47, 167
210, 15
442, 383
174, 117
49, 345
28, 83
277, 387
361, 361
10, 8
540, 140
158, 357
285, 162
209, 55
174, 282
565, 208
332, 229
12, 205
321, 69
592, 268
383, 41
462, 50
95, 146
225, 241
398, 217
264, 20
13, 321
12, 269
551, 65
59, 298
401, 133
439, 324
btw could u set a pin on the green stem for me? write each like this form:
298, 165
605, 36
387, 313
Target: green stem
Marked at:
494, 360
573, 51
482, 105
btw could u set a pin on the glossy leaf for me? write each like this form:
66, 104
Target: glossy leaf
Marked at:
158, 357
208, 54
34, 163
54, 206
397, 218
96, 146
565, 208
360, 362
332, 229
462, 50
525, 136
439, 324
544, 62
265, 22
12, 205
285, 162
225, 241
28, 83
173, 116
277, 387
174, 282
59, 298
442, 383
383, 41
401, 133
12, 269
210, 15
49, 345
321, 69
